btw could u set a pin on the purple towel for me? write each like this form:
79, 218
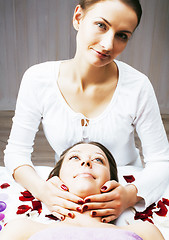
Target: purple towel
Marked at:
79, 233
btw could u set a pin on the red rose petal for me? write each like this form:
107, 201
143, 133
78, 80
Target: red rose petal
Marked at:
140, 215
4, 185
37, 206
149, 209
26, 194
24, 199
129, 178
146, 213
149, 220
163, 210
22, 209
165, 201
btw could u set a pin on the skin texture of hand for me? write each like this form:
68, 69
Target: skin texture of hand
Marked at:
114, 200
58, 200
53, 193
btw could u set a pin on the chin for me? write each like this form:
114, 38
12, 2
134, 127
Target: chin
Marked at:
84, 190
100, 63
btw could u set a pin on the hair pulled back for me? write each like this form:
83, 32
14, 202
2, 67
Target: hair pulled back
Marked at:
134, 4
112, 163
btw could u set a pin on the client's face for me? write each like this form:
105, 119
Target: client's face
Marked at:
85, 169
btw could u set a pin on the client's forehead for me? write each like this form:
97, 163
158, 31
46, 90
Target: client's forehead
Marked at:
87, 148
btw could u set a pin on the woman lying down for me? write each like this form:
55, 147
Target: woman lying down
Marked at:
84, 168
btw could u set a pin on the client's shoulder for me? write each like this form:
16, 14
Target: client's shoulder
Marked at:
146, 230
20, 229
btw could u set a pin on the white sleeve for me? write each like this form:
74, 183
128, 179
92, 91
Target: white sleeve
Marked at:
25, 124
153, 180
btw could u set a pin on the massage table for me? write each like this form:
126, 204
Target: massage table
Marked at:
16, 202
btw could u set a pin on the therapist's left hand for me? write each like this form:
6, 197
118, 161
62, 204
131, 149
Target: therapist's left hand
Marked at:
114, 199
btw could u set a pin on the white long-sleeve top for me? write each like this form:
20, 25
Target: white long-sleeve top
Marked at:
133, 106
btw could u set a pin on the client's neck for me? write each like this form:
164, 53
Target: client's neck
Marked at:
84, 220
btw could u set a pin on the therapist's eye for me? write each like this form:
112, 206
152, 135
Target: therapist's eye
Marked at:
122, 36
101, 26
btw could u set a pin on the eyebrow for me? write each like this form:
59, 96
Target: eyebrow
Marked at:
77, 151
126, 31
106, 21
100, 154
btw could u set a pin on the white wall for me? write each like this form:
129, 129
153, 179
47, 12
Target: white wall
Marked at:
33, 31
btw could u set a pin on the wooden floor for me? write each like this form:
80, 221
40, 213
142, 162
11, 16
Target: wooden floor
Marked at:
43, 153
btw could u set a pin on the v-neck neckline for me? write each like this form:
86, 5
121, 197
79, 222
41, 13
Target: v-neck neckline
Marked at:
79, 114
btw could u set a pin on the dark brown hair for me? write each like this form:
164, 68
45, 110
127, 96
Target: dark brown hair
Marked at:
112, 163
134, 4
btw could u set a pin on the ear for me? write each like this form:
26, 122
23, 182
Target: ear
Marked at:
77, 17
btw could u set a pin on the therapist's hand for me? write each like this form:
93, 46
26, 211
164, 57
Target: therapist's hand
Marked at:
53, 192
114, 199
58, 200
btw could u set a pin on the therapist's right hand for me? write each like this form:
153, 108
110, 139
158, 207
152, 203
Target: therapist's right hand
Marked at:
56, 196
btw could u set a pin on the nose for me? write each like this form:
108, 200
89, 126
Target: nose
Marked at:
107, 41
86, 163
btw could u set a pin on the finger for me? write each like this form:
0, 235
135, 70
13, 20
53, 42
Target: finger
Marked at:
69, 196
62, 190
109, 186
58, 216
61, 213
103, 212
101, 205
104, 197
66, 204
58, 183
109, 218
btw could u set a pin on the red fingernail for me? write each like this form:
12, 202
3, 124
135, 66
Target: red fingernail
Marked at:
62, 218
94, 213
104, 188
85, 208
78, 209
70, 215
104, 220
64, 187
87, 200
80, 202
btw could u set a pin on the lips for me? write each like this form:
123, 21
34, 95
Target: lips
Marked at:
100, 54
85, 175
